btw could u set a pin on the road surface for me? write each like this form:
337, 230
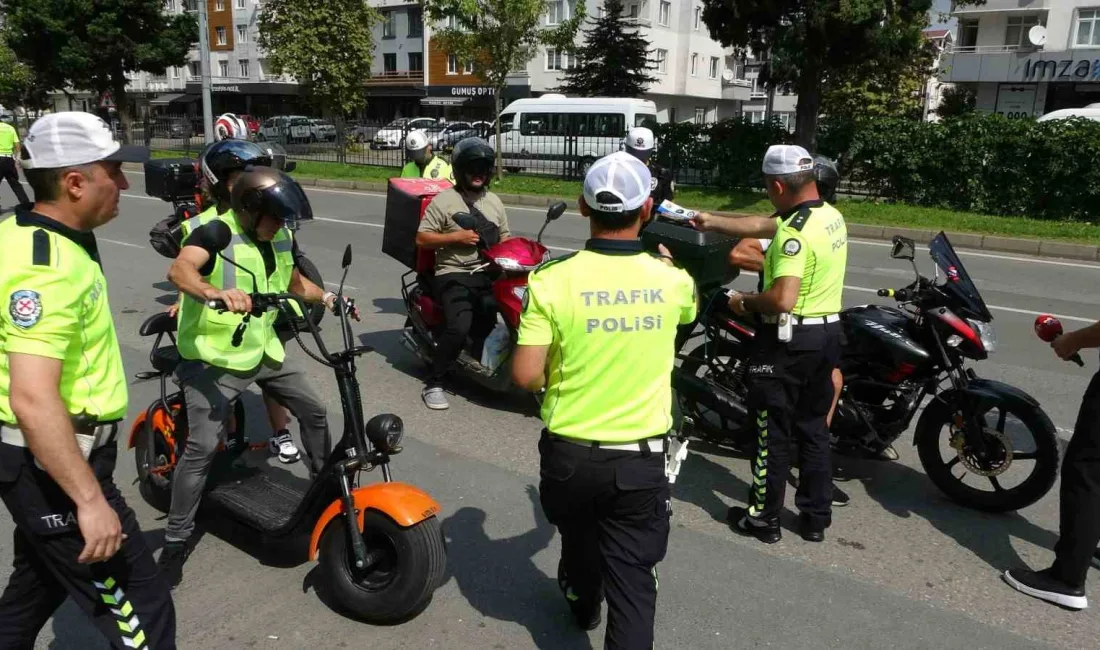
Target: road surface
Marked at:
903, 567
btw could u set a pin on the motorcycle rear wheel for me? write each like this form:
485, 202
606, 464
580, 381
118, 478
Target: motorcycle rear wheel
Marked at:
398, 587
931, 428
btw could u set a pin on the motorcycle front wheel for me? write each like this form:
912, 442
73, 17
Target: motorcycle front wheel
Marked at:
1015, 466
401, 584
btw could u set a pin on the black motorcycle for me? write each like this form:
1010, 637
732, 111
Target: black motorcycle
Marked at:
986, 444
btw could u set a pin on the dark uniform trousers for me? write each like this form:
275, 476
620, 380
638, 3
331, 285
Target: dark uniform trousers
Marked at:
1080, 493
9, 173
126, 598
612, 509
790, 391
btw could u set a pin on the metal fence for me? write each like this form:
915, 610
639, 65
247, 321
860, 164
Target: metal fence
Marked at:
549, 155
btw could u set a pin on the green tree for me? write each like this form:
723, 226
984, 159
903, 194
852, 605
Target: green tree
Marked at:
17, 83
811, 41
957, 101
92, 44
327, 45
868, 90
499, 36
614, 60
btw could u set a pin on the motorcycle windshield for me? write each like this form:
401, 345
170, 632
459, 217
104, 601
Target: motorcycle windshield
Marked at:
958, 282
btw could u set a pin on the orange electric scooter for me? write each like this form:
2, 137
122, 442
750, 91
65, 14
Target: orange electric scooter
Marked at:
380, 546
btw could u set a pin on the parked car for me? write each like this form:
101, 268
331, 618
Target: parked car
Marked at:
287, 128
391, 135
322, 131
175, 129
361, 132
447, 137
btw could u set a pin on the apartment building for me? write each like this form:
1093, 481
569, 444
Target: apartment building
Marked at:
397, 82
1027, 57
697, 79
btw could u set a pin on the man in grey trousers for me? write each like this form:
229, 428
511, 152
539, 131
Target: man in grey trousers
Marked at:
220, 358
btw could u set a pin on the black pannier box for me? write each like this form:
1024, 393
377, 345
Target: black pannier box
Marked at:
171, 178
406, 201
704, 255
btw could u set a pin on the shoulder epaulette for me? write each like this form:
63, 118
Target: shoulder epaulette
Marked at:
557, 260
40, 251
800, 219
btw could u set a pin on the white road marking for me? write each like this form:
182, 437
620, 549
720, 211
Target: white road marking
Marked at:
337, 285
120, 243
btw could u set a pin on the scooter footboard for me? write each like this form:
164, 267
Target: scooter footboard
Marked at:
405, 504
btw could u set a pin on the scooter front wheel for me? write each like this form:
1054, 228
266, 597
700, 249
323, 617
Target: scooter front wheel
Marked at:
408, 566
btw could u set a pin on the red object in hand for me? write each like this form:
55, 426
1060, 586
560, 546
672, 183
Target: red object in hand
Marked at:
1048, 328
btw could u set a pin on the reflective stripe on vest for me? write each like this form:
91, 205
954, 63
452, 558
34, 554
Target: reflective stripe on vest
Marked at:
205, 335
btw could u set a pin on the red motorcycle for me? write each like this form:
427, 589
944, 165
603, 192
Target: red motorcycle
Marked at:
510, 262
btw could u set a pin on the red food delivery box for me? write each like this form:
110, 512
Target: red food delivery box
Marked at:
406, 201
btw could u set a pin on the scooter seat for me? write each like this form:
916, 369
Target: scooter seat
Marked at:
165, 359
160, 323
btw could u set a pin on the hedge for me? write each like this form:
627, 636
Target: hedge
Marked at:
978, 163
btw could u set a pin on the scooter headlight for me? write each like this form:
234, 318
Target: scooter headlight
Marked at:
385, 432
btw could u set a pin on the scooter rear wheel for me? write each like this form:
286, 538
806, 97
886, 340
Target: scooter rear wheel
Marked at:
154, 482
400, 585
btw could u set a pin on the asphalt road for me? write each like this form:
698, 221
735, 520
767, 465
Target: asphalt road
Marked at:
903, 567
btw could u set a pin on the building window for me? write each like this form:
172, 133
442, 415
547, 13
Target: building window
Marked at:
454, 23
389, 24
193, 69
713, 67
221, 35
1088, 28
452, 64
694, 65
389, 63
175, 72
1018, 27
262, 67
633, 11
758, 89
660, 61
241, 4
416, 62
664, 12
557, 12
558, 60
223, 68
468, 68
968, 33
700, 115
242, 33
244, 68
416, 23
219, 5
169, 5
698, 17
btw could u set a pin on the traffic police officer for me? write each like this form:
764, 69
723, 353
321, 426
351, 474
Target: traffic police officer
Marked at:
62, 395
795, 352
598, 332
9, 152
267, 206
422, 162
640, 143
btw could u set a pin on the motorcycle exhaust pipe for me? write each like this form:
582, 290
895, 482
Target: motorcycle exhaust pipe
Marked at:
408, 339
713, 397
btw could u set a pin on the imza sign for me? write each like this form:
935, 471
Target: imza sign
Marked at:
1062, 70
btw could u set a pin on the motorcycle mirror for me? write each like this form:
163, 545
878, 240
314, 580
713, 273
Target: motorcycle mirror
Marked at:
347, 258
555, 211
216, 236
465, 221
904, 248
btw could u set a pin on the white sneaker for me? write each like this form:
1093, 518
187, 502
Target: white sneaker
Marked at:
282, 445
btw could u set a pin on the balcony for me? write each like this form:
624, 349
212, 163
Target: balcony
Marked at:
991, 49
736, 89
1016, 64
395, 78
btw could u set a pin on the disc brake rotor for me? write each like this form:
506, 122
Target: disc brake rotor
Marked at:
998, 452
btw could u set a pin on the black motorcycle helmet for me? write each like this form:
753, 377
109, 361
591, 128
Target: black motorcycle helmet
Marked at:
266, 191
827, 177
227, 156
473, 158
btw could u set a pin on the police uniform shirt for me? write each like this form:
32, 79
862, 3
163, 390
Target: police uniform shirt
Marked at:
9, 137
811, 243
436, 169
609, 314
56, 306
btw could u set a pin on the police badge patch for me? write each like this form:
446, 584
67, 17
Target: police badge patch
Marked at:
435, 173
25, 308
792, 247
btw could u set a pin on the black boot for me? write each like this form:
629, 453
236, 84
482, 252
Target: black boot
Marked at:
765, 531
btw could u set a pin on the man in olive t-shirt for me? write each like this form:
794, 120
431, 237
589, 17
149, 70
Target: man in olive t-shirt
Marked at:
463, 291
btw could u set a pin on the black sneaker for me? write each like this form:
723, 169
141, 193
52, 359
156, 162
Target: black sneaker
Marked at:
840, 497
172, 558
765, 531
1042, 585
587, 617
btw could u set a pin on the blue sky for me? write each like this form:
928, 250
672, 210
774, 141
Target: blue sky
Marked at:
940, 6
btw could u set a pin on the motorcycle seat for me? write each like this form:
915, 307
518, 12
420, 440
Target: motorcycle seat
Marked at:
165, 359
156, 324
